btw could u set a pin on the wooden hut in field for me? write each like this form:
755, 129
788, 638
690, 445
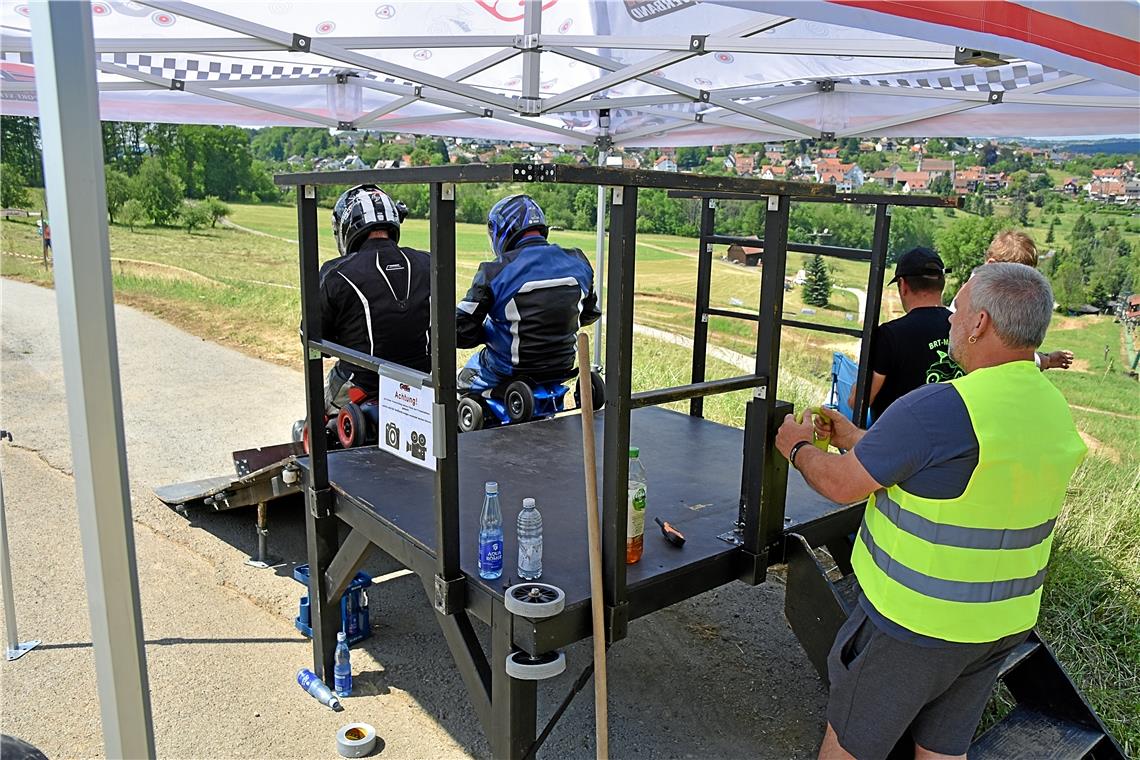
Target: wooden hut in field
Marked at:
745, 255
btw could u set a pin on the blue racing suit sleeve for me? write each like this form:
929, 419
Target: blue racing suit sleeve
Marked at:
590, 311
473, 309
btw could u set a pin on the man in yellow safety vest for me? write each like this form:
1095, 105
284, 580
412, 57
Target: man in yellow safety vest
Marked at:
952, 551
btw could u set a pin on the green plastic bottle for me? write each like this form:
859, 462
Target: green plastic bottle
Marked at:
635, 509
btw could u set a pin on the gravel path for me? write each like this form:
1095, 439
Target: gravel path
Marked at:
718, 676
862, 296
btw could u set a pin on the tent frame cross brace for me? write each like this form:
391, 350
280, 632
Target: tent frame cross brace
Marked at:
746, 108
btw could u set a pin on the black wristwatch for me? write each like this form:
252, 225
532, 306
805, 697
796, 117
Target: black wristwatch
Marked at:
795, 450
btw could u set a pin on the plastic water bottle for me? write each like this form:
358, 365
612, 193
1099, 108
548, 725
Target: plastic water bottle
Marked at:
342, 666
529, 525
635, 509
317, 688
491, 533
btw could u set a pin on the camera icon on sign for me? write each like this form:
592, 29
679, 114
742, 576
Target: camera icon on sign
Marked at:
417, 445
392, 436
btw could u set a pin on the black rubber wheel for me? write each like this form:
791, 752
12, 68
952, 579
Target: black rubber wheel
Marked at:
597, 386
520, 401
350, 426
470, 415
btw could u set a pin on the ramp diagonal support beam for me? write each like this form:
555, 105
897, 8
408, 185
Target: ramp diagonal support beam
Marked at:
346, 563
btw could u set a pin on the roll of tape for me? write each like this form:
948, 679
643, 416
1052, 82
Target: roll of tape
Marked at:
355, 740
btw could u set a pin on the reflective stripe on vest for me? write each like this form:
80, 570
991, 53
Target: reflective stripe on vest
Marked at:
970, 569
952, 591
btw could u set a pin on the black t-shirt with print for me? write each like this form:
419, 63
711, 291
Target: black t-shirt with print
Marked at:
912, 351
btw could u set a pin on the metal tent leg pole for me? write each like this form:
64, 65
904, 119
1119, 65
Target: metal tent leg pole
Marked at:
600, 246
64, 51
16, 649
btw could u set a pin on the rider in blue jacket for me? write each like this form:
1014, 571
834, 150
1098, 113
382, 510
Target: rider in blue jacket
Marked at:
527, 305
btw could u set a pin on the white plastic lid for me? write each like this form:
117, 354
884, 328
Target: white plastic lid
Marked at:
528, 503
341, 636
491, 487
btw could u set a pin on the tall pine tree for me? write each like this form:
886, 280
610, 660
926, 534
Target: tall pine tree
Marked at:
817, 287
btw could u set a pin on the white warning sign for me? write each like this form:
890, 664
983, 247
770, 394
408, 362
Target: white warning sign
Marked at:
406, 422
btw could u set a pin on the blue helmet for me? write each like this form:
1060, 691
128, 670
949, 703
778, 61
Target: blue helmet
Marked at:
510, 218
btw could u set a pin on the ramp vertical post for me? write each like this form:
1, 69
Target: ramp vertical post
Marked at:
765, 474
320, 525
514, 702
615, 431
449, 577
871, 314
704, 284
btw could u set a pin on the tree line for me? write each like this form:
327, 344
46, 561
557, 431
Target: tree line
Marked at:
170, 174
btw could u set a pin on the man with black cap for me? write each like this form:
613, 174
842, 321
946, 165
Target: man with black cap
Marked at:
912, 350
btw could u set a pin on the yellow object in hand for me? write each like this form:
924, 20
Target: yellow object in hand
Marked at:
820, 443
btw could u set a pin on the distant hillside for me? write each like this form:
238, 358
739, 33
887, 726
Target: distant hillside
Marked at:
1122, 145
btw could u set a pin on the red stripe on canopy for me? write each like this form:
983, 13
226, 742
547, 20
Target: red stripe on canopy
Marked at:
1008, 19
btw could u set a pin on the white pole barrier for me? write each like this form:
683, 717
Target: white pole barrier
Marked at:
16, 648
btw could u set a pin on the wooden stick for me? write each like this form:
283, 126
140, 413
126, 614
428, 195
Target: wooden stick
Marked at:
597, 603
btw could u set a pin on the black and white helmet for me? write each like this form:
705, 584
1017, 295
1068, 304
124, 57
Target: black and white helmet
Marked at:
361, 209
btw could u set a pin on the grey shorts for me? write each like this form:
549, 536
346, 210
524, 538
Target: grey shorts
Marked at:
881, 687
336, 391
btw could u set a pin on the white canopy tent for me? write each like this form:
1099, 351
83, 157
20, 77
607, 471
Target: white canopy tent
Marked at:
672, 72
623, 73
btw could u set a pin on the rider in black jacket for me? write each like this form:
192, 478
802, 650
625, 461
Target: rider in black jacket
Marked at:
375, 297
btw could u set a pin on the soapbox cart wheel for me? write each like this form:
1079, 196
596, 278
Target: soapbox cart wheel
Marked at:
350, 426
597, 387
470, 415
519, 401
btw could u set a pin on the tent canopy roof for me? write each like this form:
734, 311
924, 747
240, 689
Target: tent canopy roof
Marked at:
643, 72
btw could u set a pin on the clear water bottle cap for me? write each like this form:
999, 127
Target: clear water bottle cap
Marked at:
341, 636
491, 487
634, 452
528, 503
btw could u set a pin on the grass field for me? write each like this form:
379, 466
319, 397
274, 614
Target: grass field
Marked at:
239, 289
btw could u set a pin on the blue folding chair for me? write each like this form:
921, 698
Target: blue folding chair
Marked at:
844, 375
